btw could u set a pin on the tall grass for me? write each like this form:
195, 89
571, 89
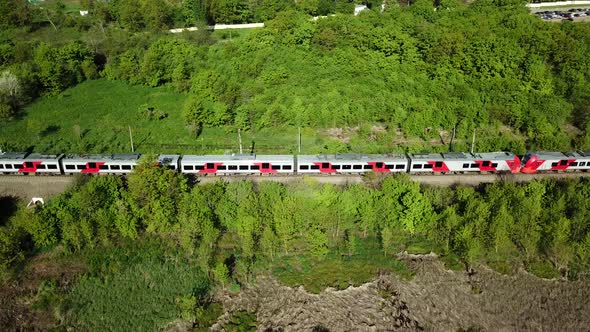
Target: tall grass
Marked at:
338, 270
134, 288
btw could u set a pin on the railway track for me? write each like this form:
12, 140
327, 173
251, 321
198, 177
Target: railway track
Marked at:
27, 187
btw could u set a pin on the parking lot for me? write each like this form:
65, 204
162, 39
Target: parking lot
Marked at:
571, 14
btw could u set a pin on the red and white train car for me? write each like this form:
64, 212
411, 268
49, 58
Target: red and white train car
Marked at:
556, 161
92, 164
237, 164
351, 163
459, 162
24, 163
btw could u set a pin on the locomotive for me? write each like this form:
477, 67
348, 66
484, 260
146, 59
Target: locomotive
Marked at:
246, 164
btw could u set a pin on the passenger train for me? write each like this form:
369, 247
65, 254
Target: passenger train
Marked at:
245, 164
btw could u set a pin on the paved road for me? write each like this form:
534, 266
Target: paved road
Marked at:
26, 187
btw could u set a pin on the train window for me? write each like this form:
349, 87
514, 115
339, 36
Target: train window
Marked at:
115, 167
199, 167
41, 166
390, 166
243, 167
81, 166
357, 166
70, 167
210, 166
428, 166
367, 167
465, 165
232, 167
1, 166
126, 167
346, 166
314, 167
379, 165
303, 167
92, 165
325, 165
494, 165
18, 166
563, 162
474, 166
574, 164
103, 167
417, 166
554, 164
438, 164
485, 163
287, 167
400, 166
221, 168
335, 166
276, 167
255, 167
582, 163
51, 166
8, 166
265, 165
28, 164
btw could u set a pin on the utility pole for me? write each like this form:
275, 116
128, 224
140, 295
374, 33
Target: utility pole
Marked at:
473, 141
131, 139
453, 137
299, 141
240, 140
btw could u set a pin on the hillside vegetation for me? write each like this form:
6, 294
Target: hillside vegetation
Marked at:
166, 244
414, 71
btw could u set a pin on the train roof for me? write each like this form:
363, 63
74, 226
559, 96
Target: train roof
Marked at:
96, 157
38, 156
561, 155
352, 157
169, 159
236, 157
463, 156
13, 155
501, 155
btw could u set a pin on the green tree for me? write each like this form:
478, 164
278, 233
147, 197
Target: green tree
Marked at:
155, 192
268, 242
221, 273
317, 242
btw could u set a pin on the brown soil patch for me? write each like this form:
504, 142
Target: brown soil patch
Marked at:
435, 300
17, 296
572, 130
340, 134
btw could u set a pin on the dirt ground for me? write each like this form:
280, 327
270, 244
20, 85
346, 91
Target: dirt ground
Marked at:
27, 187
436, 299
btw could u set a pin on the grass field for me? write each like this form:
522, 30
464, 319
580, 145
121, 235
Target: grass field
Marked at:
337, 270
95, 116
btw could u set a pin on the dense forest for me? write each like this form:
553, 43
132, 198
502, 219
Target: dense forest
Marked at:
157, 228
419, 70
